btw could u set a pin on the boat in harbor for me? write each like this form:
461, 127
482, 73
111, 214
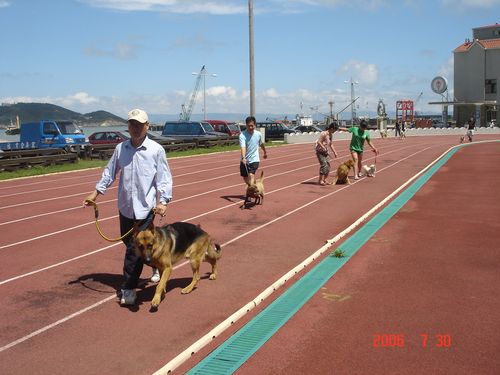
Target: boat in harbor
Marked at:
13, 129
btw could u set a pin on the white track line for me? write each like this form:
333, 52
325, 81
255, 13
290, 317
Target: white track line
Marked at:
173, 202
249, 306
177, 186
197, 166
115, 187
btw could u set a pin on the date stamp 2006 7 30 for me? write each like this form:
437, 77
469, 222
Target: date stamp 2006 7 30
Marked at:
397, 340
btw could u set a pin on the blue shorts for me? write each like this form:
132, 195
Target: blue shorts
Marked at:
247, 169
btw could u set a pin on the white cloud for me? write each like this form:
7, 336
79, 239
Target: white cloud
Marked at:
172, 6
4, 4
221, 91
226, 99
78, 98
360, 71
75, 100
270, 93
447, 69
224, 7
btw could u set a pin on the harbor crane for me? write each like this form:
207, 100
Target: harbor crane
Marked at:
186, 111
416, 102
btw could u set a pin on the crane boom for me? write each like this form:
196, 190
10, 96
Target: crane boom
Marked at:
186, 112
416, 102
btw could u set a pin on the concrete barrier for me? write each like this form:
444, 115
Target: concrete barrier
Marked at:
312, 137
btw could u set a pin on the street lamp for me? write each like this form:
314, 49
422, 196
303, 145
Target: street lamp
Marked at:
204, 74
353, 107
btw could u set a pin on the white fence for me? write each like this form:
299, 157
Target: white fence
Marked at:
311, 137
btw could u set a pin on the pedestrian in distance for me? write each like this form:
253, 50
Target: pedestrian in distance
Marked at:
470, 127
323, 145
404, 126
250, 140
359, 136
397, 130
145, 188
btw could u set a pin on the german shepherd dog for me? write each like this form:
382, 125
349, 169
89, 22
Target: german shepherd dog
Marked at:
343, 171
162, 247
256, 190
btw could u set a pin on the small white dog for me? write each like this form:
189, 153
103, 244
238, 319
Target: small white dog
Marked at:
370, 170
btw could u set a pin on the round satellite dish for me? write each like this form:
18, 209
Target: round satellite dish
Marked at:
439, 85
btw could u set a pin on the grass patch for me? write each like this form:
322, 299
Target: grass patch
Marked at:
41, 170
338, 253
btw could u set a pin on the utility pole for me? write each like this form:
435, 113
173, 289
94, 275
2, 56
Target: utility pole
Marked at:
252, 78
353, 107
331, 103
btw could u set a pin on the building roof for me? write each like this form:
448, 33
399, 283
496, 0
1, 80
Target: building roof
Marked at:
486, 44
486, 27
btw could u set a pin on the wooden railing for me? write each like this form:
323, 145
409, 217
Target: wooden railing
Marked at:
14, 160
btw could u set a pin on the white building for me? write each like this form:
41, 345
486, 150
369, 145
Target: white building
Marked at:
476, 76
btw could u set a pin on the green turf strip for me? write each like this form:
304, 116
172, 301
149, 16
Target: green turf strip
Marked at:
230, 355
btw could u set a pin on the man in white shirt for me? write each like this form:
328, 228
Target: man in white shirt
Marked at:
250, 141
145, 184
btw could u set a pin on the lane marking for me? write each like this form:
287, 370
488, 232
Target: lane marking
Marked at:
115, 187
173, 202
174, 175
243, 311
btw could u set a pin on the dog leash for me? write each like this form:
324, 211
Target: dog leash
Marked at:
96, 214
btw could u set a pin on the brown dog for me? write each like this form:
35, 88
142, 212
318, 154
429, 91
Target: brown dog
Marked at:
343, 171
162, 247
256, 190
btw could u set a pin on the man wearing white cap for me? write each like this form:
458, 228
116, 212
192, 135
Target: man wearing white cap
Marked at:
145, 183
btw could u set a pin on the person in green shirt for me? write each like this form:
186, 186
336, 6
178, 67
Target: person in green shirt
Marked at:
359, 135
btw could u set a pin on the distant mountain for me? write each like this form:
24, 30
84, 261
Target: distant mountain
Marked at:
28, 112
103, 118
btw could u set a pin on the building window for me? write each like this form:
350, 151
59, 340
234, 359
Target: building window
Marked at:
490, 86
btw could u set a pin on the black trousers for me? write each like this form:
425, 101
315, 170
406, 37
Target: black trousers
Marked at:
132, 264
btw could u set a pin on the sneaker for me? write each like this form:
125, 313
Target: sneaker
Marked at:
128, 297
156, 275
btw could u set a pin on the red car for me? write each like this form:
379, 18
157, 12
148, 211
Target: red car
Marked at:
225, 127
107, 138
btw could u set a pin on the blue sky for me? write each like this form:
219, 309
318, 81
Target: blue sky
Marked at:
115, 55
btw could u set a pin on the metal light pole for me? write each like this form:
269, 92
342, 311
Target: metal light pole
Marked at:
353, 107
331, 103
252, 78
204, 74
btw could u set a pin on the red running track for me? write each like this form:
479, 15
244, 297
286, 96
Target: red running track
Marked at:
58, 277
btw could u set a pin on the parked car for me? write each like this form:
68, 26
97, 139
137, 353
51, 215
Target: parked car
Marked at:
158, 137
307, 129
438, 124
225, 127
190, 130
275, 130
107, 137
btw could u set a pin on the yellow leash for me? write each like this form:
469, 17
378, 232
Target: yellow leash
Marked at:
96, 212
